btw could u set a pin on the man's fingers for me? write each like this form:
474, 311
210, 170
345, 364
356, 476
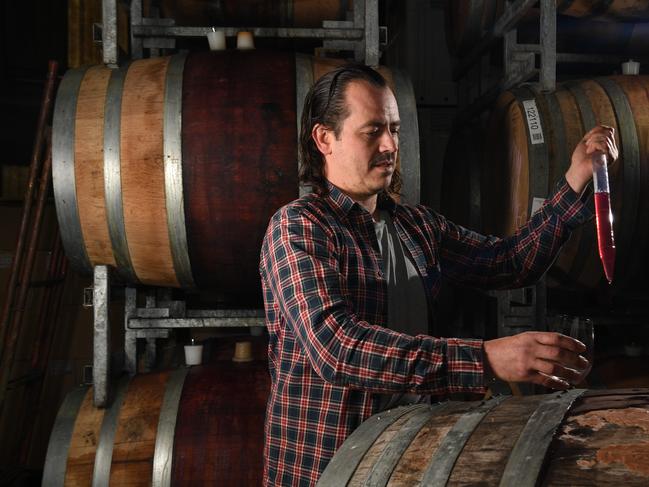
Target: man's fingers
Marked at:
601, 128
602, 138
550, 381
561, 341
554, 369
562, 356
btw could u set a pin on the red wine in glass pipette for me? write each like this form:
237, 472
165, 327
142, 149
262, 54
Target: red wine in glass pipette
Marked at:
605, 239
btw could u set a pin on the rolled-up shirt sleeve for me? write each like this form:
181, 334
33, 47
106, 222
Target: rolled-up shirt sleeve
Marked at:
490, 262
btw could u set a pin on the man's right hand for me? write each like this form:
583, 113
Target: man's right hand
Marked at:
545, 358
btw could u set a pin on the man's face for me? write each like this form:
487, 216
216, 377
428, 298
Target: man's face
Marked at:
362, 159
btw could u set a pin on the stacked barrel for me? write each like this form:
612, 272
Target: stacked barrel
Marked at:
198, 426
169, 169
530, 135
596, 26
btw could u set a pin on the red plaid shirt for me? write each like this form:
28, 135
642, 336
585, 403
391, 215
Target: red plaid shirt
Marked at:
330, 353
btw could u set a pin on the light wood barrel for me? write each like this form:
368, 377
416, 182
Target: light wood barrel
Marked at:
254, 13
169, 169
572, 438
198, 426
523, 160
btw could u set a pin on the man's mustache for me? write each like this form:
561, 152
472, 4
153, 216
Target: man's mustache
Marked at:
383, 159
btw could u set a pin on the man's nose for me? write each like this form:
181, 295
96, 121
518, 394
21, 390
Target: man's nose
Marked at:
389, 142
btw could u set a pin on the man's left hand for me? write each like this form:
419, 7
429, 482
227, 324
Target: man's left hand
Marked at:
601, 138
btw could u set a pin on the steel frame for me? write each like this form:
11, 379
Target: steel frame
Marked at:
155, 320
361, 34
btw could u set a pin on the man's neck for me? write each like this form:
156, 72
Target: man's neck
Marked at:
369, 204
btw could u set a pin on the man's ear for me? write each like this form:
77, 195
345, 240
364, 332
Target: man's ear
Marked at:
322, 137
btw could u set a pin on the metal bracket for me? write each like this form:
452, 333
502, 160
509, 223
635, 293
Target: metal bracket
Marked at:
161, 314
521, 309
362, 35
101, 355
109, 32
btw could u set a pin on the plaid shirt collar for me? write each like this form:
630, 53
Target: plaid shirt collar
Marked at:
344, 204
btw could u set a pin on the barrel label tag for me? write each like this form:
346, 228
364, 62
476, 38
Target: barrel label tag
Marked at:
533, 121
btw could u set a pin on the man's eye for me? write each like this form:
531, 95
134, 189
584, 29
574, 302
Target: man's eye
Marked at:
395, 131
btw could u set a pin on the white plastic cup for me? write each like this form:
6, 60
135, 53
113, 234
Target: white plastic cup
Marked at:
245, 40
193, 354
631, 67
216, 39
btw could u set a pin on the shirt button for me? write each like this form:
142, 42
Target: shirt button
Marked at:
379, 274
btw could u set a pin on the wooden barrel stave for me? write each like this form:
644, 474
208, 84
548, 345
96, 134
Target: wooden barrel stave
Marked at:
188, 206
142, 172
485, 454
593, 438
133, 446
603, 441
635, 178
238, 148
83, 444
89, 175
212, 432
234, 408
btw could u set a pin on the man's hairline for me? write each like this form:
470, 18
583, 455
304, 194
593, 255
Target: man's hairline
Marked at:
347, 111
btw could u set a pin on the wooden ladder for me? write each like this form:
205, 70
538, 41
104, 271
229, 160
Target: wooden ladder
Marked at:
20, 281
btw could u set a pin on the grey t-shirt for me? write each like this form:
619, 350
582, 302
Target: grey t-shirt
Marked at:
407, 306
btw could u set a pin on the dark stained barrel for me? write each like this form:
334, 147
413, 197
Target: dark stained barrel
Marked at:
593, 24
628, 10
575, 438
255, 13
579, 35
467, 21
169, 169
528, 145
192, 426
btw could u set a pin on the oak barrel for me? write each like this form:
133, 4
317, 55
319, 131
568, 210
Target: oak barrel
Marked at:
254, 13
528, 144
170, 168
192, 426
579, 35
574, 438
467, 21
627, 10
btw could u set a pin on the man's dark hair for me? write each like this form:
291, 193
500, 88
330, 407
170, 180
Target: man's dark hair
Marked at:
325, 104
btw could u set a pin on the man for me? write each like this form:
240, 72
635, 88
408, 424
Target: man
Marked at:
349, 276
